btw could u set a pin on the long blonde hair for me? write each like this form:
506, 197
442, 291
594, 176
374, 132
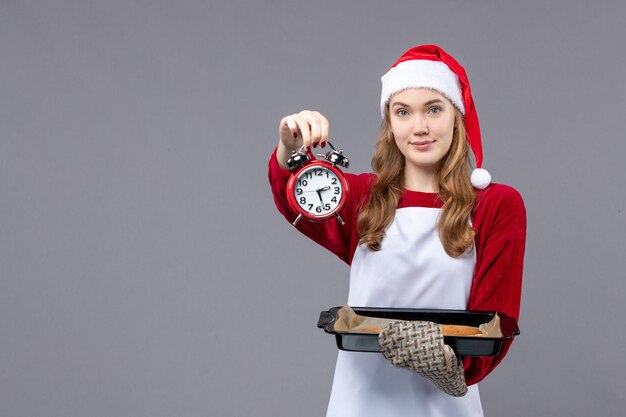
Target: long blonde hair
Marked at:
453, 187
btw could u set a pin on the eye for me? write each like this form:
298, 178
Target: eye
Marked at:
402, 112
435, 110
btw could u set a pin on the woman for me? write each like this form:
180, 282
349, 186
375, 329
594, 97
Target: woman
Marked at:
420, 232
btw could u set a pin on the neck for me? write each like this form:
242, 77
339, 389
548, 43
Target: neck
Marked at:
419, 180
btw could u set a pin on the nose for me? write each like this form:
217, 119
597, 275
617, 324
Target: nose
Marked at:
420, 125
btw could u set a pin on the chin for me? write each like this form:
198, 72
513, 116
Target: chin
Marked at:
426, 164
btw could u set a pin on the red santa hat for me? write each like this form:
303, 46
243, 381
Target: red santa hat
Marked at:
429, 66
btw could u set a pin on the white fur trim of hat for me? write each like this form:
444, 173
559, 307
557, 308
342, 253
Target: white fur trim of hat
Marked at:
421, 74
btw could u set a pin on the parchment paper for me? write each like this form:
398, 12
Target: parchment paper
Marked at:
350, 322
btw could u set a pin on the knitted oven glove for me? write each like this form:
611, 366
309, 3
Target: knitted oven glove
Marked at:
418, 346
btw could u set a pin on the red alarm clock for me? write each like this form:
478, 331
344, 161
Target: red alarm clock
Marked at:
317, 189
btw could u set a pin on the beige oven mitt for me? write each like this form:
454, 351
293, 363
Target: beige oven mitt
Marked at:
418, 346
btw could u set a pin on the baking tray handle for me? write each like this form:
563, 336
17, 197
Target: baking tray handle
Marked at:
509, 326
326, 318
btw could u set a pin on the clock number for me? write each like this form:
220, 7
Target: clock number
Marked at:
334, 181
303, 183
337, 191
318, 172
310, 207
334, 199
318, 209
308, 175
327, 206
302, 200
298, 191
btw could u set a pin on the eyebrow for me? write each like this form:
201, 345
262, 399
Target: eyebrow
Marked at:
428, 103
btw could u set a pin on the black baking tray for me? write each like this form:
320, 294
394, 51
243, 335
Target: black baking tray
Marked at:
462, 345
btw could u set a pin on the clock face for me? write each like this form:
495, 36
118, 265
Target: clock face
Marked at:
318, 191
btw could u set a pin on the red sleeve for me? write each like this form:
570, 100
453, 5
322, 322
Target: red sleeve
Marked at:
341, 240
500, 223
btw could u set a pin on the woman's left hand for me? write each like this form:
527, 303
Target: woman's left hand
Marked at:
418, 346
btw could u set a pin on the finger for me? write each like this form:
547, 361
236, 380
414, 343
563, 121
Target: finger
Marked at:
304, 128
317, 121
325, 126
316, 129
288, 132
293, 126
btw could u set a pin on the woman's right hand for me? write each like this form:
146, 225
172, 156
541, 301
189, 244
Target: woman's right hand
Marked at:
307, 128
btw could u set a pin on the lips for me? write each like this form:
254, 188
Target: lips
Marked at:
421, 144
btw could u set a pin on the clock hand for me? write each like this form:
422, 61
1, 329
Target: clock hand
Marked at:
319, 194
317, 191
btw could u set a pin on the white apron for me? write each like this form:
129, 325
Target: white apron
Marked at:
411, 271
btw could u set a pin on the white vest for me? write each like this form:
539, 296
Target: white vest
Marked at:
411, 270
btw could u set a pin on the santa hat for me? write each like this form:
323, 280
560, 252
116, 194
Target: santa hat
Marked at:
429, 66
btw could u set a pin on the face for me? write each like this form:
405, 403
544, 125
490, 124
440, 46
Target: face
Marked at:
422, 122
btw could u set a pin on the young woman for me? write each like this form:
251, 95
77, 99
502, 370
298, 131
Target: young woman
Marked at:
422, 231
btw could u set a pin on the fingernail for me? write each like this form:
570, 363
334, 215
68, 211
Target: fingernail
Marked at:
295, 135
324, 145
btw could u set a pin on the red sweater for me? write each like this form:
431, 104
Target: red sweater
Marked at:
499, 221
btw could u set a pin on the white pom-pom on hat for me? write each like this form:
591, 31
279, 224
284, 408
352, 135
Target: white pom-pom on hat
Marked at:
480, 178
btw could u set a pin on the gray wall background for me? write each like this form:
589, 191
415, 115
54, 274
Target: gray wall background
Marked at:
143, 268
